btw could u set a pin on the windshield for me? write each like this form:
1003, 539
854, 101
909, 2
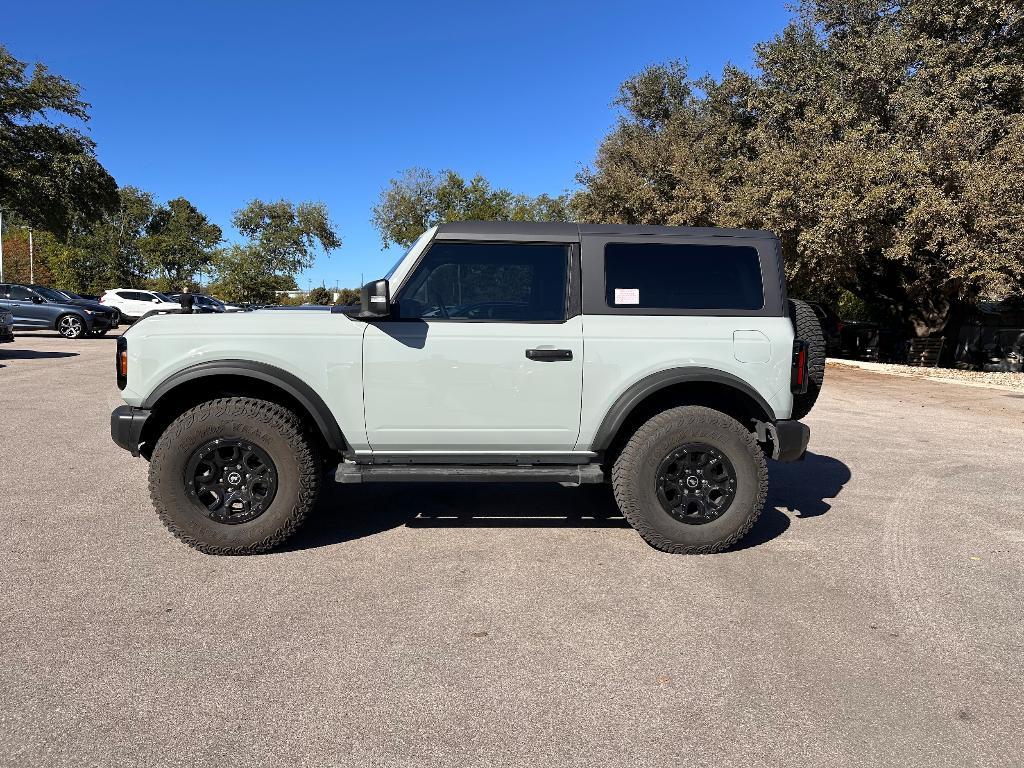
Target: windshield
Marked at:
425, 236
394, 266
49, 293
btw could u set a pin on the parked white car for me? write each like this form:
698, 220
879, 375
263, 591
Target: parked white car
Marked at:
133, 303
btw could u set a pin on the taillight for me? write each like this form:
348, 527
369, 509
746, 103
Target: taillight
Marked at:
798, 375
121, 362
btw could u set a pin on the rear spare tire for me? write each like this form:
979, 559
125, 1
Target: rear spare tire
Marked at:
234, 476
807, 327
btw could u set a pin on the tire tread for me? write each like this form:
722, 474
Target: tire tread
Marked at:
276, 417
645, 437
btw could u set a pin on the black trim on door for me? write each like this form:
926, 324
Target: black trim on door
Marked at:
550, 355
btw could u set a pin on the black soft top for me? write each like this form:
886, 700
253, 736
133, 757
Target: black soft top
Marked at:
564, 230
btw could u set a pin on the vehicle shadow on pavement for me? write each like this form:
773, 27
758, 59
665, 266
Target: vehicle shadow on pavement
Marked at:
31, 354
804, 486
346, 513
349, 512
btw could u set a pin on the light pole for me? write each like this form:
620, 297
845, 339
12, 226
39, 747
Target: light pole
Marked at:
31, 260
1, 246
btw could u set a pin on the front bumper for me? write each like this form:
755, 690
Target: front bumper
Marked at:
103, 322
788, 438
126, 423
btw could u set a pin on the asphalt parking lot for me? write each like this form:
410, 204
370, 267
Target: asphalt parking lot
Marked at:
872, 617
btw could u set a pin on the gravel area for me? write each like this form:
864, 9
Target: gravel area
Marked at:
871, 617
1005, 380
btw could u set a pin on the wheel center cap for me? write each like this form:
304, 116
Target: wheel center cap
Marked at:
692, 482
234, 478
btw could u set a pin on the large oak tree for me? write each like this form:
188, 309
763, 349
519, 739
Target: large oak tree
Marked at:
883, 141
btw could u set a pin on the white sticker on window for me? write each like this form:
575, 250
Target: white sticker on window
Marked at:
627, 295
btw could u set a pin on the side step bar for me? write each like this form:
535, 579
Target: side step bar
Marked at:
572, 474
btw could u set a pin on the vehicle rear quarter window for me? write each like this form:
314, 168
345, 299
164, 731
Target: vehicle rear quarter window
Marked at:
682, 276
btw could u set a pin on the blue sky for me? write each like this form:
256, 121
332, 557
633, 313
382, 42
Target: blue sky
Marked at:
222, 102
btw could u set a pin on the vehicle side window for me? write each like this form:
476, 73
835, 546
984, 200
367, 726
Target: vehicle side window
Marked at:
20, 294
126, 295
4, 290
682, 276
488, 281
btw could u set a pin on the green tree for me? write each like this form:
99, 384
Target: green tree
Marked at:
106, 255
348, 296
283, 240
180, 242
419, 199
287, 234
319, 295
49, 174
882, 141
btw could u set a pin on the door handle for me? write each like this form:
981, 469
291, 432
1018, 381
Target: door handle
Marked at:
549, 355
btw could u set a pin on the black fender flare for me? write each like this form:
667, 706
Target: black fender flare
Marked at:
639, 391
304, 394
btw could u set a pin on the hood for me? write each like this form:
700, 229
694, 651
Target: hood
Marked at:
279, 323
95, 306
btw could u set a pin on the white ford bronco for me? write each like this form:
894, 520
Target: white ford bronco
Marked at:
663, 360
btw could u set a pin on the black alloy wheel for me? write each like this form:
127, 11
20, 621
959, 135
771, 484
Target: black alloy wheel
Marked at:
231, 480
696, 483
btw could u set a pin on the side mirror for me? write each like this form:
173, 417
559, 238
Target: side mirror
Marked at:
37, 299
375, 301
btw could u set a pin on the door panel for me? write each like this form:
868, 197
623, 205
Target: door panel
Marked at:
469, 386
27, 313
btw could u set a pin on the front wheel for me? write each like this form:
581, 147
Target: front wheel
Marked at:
691, 480
234, 476
70, 327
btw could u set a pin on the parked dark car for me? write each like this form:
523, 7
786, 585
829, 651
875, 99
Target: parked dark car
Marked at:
201, 304
6, 326
37, 306
831, 327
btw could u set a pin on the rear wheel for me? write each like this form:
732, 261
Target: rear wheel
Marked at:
70, 326
807, 327
691, 480
234, 476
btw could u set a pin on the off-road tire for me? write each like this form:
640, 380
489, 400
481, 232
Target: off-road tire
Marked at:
634, 479
278, 432
807, 327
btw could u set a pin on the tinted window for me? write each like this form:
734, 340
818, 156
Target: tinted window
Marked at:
49, 293
488, 281
20, 294
682, 276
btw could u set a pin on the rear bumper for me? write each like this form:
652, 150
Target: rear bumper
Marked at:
126, 424
788, 438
